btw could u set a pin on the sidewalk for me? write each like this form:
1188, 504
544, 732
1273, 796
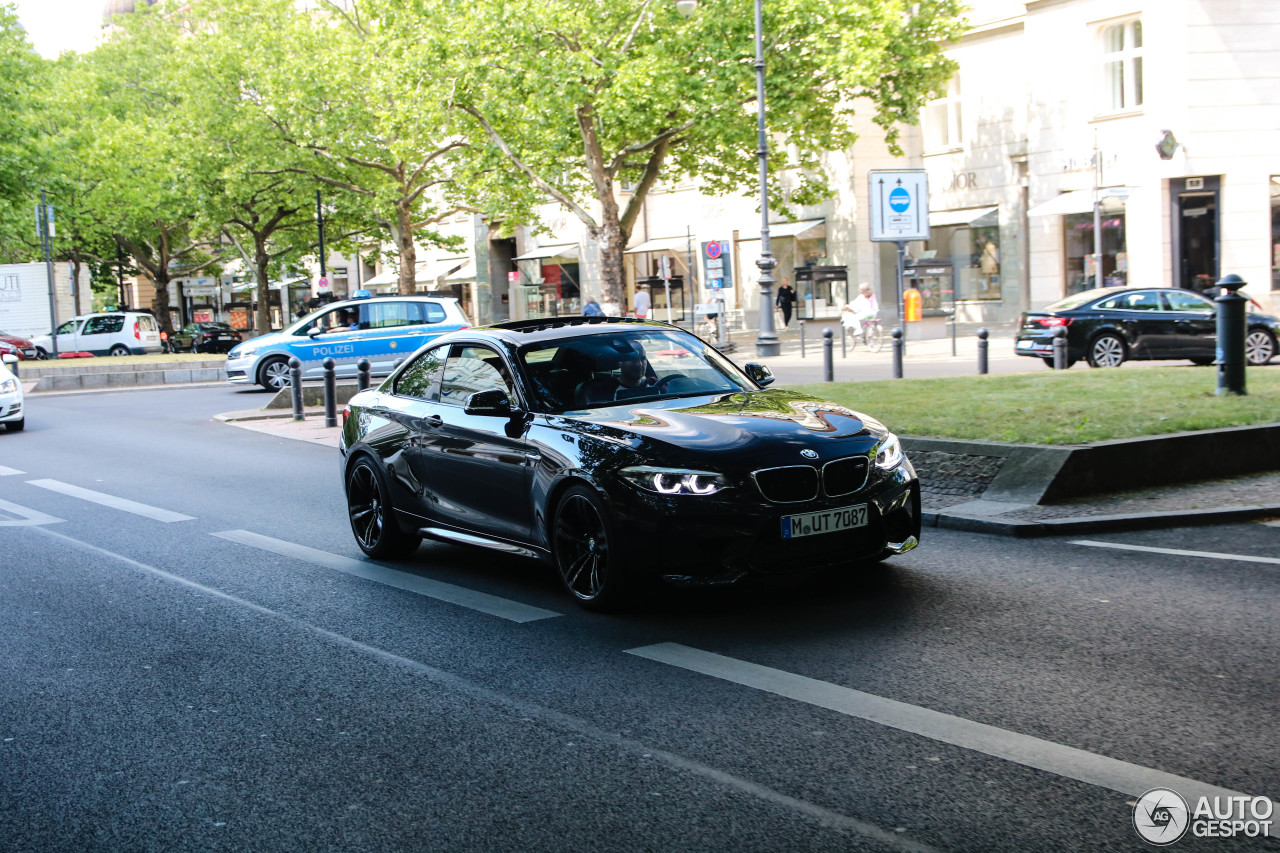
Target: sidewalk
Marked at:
1247, 498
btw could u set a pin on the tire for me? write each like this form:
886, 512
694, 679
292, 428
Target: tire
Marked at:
1107, 350
195, 347
875, 338
372, 515
119, 350
1048, 360
274, 373
16, 426
1202, 362
42, 354
1259, 347
581, 532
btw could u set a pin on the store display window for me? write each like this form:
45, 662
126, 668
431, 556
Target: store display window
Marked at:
974, 253
1078, 228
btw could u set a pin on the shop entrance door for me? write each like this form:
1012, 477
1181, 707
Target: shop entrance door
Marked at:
1197, 245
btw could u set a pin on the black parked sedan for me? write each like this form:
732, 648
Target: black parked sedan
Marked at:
620, 450
211, 336
1111, 325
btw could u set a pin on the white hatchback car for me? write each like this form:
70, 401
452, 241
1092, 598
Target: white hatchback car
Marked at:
107, 333
11, 414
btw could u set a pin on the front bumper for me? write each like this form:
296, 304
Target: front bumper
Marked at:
10, 408
241, 371
692, 541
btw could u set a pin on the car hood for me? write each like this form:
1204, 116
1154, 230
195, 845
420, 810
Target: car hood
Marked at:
15, 340
734, 425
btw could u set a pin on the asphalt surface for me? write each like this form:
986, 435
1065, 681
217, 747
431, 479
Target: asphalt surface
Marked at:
243, 679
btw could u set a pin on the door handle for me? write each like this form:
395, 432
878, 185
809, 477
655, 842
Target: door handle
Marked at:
434, 420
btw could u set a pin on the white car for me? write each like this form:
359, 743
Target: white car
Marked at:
106, 333
11, 414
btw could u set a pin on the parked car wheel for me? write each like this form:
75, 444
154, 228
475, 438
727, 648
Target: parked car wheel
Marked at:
16, 426
592, 572
372, 515
1048, 360
1259, 347
1107, 351
274, 374
41, 354
119, 350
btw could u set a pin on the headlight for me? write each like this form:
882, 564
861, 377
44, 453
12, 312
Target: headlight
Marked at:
674, 481
9, 386
890, 452
236, 352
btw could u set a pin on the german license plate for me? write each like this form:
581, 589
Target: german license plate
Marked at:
827, 521
1026, 344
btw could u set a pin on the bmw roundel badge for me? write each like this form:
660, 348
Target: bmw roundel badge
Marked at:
809, 454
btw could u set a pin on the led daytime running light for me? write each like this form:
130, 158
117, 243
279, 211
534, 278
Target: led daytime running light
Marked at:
889, 454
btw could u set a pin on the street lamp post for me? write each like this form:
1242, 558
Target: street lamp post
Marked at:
767, 339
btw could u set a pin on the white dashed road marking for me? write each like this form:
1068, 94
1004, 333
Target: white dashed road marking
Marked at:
1178, 552
9, 472
461, 596
1028, 751
24, 515
112, 501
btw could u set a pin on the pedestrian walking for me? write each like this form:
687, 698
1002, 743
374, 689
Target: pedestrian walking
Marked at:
592, 308
786, 299
642, 302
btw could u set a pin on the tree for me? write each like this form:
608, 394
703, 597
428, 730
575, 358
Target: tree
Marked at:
334, 85
21, 74
576, 97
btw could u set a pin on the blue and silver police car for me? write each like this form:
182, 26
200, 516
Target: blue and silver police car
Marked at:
383, 329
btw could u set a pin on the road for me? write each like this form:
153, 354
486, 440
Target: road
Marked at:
197, 657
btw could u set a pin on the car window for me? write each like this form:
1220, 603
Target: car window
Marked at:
1075, 300
104, 325
420, 376
1138, 300
67, 327
1180, 300
471, 369
388, 315
147, 323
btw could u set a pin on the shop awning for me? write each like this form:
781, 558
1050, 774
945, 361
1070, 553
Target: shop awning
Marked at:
391, 277
1079, 201
466, 271
967, 216
558, 252
803, 229
674, 245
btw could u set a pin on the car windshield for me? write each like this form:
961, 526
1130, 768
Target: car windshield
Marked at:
600, 370
1075, 300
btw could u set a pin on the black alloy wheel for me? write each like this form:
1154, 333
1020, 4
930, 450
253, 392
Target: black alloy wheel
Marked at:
372, 515
589, 569
119, 350
274, 373
1259, 347
1107, 350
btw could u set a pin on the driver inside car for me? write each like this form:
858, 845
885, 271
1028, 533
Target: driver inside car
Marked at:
633, 375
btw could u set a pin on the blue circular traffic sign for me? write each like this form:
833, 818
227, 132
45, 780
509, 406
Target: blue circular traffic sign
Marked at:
899, 200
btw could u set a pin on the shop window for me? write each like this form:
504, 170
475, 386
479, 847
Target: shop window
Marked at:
1122, 66
942, 123
1079, 239
1275, 232
974, 253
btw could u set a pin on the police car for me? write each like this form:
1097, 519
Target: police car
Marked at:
383, 329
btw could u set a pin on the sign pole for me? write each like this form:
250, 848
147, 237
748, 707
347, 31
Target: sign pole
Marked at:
45, 220
902, 314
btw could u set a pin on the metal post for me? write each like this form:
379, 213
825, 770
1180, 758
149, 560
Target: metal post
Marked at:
767, 340
802, 338
983, 366
1060, 348
330, 394
1097, 211
953, 333
844, 341
897, 352
320, 232
828, 351
46, 241
362, 374
295, 388
1231, 335
902, 316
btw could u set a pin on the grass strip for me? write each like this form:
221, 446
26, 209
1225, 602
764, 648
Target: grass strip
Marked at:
1061, 407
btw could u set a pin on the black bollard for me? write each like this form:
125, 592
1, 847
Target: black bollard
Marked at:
982, 350
362, 375
802, 338
897, 352
1060, 348
295, 388
330, 394
828, 353
1231, 335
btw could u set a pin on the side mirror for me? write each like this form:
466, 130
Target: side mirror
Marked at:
313, 331
10, 359
491, 402
759, 373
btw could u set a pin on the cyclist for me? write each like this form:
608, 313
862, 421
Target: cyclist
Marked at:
857, 315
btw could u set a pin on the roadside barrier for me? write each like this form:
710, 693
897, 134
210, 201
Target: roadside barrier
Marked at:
983, 365
802, 338
330, 394
828, 352
295, 388
898, 345
362, 374
1060, 348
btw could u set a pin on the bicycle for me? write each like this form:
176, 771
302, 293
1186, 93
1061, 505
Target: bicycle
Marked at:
871, 335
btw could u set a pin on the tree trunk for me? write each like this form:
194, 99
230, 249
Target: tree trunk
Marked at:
75, 278
261, 260
609, 238
408, 252
160, 275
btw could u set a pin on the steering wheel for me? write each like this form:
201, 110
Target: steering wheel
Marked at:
662, 383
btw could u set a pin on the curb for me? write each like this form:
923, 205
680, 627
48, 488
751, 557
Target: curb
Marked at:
1030, 529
